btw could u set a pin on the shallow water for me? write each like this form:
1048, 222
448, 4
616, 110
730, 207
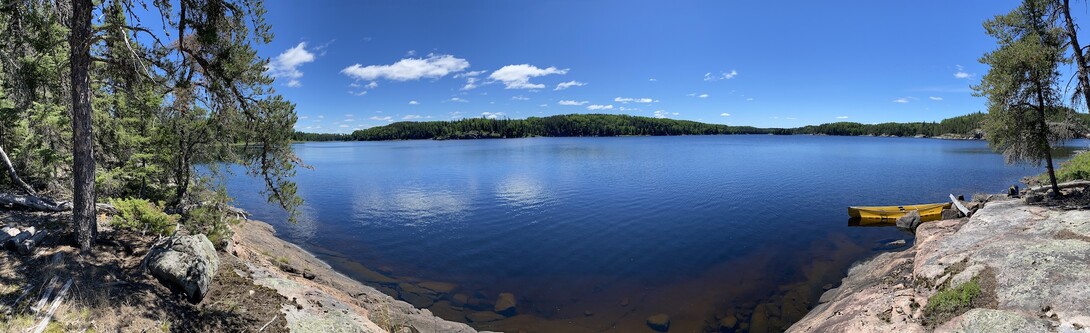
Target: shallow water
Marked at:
694, 226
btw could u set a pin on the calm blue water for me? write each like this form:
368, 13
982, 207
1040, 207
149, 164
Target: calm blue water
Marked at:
561, 221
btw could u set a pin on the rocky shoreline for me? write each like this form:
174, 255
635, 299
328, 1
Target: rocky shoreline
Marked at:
326, 300
1011, 267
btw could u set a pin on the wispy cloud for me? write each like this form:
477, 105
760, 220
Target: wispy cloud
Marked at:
411, 117
703, 96
414, 103
724, 114
386, 118
571, 102
634, 100
286, 65
901, 100
664, 114
962, 74
842, 117
722, 76
569, 84
520, 98
652, 80
518, 76
434, 66
934, 98
458, 99
596, 107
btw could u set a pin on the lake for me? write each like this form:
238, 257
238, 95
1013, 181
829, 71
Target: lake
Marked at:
596, 234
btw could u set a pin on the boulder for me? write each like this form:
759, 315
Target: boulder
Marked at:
439, 287
506, 304
950, 214
459, 300
659, 322
483, 317
1031, 198
185, 263
759, 322
728, 324
910, 221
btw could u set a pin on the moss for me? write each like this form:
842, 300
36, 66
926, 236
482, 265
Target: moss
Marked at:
950, 303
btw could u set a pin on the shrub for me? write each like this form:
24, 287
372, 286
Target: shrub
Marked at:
1076, 168
143, 216
212, 217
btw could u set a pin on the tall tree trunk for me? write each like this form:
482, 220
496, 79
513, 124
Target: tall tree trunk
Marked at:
1076, 50
15, 180
1043, 132
83, 162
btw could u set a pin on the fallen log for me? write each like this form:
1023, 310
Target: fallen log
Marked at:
14, 175
1062, 186
34, 203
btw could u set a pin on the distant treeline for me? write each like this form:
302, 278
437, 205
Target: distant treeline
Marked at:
624, 125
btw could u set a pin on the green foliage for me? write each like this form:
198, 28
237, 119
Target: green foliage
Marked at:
966, 126
143, 216
1022, 84
166, 96
211, 216
1077, 168
951, 302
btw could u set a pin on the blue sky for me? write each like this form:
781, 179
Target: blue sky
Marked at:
353, 65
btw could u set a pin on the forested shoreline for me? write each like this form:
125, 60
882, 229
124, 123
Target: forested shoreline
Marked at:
604, 125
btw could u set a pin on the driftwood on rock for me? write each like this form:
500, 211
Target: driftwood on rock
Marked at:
35, 203
1067, 185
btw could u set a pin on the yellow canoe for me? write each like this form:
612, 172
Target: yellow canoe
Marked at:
928, 212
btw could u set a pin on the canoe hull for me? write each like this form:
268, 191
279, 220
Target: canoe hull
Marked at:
928, 212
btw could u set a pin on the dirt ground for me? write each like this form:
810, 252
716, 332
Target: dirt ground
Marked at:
112, 292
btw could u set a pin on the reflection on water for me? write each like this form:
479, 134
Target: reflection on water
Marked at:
595, 234
523, 191
408, 206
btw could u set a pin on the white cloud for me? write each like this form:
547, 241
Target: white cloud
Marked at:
749, 99
349, 120
664, 114
933, 98
543, 105
386, 118
901, 100
520, 98
360, 93
724, 114
456, 115
303, 118
569, 84
410, 53
634, 100
722, 76
703, 96
410, 117
492, 115
408, 69
652, 80
458, 99
600, 107
961, 74
413, 103
344, 126
471, 83
571, 102
518, 76
842, 117
468, 74
372, 85
286, 65
628, 109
